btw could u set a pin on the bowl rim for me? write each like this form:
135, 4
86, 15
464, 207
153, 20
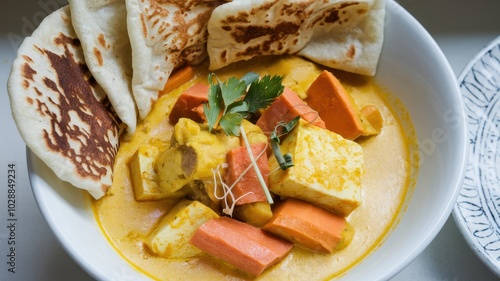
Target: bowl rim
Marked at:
457, 182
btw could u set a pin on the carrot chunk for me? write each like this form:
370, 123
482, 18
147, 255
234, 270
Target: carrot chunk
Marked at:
335, 106
246, 247
178, 77
373, 115
247, 187
286, 107
306, 224
188, 104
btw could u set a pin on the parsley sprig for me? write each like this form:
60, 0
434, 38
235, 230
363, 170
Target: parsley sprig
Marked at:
230, 102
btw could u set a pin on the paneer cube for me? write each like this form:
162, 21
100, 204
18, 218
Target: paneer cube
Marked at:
143, 174
170, 239
327, 169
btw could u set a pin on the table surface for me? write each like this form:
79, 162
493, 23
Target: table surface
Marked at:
459, 27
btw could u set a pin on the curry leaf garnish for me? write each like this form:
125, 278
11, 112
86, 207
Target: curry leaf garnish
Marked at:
229, 102
284, 161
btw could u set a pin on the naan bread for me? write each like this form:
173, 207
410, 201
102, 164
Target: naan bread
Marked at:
337, 33
101, 26
164, 35
60, 111
352, 46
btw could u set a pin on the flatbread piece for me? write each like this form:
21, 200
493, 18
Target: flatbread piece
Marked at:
164, 35
60, 111
343, 34
101, 26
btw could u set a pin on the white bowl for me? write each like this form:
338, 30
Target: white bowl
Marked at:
414, 69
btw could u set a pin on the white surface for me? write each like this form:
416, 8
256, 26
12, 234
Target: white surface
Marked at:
39, 256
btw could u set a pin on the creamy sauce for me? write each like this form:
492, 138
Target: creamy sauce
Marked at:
390, 162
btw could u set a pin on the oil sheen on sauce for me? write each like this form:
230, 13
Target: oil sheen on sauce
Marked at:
390, 161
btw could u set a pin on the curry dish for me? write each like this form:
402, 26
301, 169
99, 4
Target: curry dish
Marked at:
389, 160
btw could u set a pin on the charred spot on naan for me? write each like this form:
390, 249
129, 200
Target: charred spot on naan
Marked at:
76, 97
327, 32
164, 35
79, 122
28, 72
333, 15
243, 33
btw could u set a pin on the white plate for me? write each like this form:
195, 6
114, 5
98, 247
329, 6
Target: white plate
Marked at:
477, 211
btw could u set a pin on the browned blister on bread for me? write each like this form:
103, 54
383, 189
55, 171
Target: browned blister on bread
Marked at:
101, 26
164, 35
61, 112
336, 33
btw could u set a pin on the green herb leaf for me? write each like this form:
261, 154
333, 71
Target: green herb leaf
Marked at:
250, 77
262, 93
237, 107
214, 106
229, 103
233, 90
230, 123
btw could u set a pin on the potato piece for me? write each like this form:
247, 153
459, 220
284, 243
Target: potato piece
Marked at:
374, 119
201, 151
327, 169
170, 239
204, 192
256, 214
297, 73
143, 174
169, 173
254, 133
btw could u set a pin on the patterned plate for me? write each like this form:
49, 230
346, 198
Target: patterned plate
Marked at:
477, 211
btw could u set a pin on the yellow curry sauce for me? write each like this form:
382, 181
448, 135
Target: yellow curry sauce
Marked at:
390, 161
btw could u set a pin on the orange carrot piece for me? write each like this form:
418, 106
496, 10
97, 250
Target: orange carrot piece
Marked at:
178, 77
306, 224
246, 247
373, 115
189, 102
335, 106
248, 186
286, 107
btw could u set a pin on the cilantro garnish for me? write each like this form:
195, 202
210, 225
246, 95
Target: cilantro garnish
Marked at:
229, 102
